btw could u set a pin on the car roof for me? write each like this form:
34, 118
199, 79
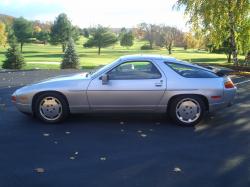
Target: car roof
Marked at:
160, 57
146, 56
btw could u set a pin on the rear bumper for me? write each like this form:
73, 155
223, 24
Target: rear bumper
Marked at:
228, 100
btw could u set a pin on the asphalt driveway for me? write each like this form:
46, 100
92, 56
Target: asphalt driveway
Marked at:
123, 150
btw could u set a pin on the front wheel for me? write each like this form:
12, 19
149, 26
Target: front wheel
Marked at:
187, 110
51, 107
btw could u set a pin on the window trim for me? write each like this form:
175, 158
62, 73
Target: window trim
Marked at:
136, 61
167, 63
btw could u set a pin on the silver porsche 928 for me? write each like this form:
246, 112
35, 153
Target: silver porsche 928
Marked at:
134, 83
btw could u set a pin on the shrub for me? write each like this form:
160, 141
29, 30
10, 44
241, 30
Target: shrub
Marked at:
146, 47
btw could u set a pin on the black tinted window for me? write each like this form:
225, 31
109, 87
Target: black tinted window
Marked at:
190, 71
134, 70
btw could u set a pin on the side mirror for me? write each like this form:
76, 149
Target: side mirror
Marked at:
105, 79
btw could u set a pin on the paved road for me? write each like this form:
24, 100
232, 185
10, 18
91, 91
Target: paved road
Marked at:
126, 150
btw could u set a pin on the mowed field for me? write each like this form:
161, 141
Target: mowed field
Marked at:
34, 54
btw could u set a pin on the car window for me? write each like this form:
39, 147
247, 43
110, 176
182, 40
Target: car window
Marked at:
190, 71
135, 70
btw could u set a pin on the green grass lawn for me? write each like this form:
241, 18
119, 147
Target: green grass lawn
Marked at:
90, 59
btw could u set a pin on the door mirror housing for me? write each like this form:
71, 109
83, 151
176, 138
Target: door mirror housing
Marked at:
105, 79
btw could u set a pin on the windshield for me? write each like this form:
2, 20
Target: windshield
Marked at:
101, 68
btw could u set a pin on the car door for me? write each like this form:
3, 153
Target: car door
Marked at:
131, 85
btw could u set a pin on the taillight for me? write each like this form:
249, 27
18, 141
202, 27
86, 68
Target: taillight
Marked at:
13, 98
229, 84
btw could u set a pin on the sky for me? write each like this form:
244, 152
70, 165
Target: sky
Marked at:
111, 13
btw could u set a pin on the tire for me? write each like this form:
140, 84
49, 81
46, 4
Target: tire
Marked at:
51, 108
187, 110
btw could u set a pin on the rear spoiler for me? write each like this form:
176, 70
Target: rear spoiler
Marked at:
218, 70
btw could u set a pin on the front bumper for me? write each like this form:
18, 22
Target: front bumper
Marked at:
25, 108
21, 103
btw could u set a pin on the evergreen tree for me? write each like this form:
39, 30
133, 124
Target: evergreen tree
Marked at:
61, 31
23, 30
100, 37
70, 58
127, 39
14, 58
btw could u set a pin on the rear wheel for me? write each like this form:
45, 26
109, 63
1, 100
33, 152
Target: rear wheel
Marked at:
51, 107
187, 110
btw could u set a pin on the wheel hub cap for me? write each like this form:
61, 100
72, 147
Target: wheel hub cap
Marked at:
188, 110
50, 108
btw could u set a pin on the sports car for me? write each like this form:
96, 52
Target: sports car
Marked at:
133, 83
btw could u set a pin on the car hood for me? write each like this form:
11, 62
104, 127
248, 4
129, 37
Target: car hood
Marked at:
77, 81
71, 77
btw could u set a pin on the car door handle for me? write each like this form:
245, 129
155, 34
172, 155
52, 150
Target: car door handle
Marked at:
158, 84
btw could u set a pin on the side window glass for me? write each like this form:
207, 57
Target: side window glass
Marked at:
190, 71
134, 70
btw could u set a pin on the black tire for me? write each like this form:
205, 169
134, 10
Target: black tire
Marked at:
64, 109
174, 114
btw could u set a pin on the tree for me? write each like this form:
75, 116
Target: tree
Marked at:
75, 33
100, 37
43, 36
3, 35
190, 40
14, 59
61, 31
85, 33
22, 30
122, 32
70, 58
37, 29
244, 37
170, 36
222, 19
127, 39
149, 32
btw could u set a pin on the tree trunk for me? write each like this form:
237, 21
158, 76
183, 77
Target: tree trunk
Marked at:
21, 47
247, 59
99, 50
151, 43
232, 33
229, 55
170, 48
63, 47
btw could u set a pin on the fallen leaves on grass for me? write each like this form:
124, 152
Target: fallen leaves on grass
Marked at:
177, 169
2, 107
39, 170
103, 158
